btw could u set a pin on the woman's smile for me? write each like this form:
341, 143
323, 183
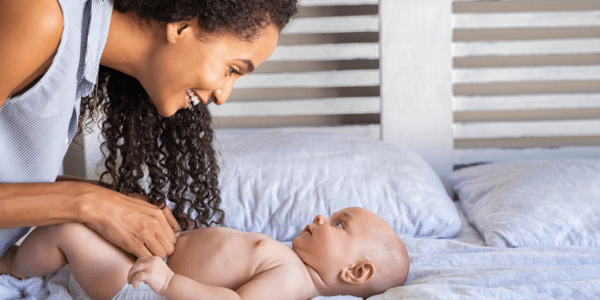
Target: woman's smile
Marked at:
191, 97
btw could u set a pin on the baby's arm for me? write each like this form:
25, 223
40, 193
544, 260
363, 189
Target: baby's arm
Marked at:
275, 283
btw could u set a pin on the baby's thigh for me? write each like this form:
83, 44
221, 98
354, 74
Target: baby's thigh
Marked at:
98, 266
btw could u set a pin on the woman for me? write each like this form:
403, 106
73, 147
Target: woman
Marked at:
158, 60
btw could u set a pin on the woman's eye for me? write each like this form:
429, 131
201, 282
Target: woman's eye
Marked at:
339, 224
233, 70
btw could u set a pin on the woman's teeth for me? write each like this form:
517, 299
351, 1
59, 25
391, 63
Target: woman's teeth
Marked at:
191, 97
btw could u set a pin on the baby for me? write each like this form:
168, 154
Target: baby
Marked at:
353, 252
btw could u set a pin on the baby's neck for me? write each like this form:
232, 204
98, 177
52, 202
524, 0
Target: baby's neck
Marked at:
319, 285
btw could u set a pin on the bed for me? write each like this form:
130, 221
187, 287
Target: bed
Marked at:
472, 127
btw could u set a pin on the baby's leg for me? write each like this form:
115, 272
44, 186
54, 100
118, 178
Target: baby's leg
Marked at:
98, 266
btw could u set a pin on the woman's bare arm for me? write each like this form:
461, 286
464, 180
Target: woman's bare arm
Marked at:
130, 223
30, 32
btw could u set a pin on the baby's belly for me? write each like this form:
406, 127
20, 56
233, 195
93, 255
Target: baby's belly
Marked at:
216, 256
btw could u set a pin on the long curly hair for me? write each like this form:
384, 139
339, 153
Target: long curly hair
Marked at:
171, 158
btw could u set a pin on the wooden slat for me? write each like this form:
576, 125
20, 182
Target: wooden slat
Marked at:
468, 156
371, 130
326, 52
527, 20
369, 23
523, 48
526, 129
336, 2
526, 74
523, 102
310, 79
502, 0
329, 106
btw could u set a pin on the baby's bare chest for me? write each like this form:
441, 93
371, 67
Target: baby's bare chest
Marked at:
227, 258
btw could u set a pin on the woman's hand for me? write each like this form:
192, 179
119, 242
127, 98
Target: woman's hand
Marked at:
153, 271
129, 222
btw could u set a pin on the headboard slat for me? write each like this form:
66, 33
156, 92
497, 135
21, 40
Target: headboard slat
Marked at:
523, 102
467, 156
334, 25
347, 78
527, 20
485, 130
328, 106
529, 74
336, 2
346, 51
522, 48
501, 0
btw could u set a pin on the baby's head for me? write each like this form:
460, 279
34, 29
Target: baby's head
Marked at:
353, 252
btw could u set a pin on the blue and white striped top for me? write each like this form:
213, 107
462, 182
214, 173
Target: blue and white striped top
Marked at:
37, 127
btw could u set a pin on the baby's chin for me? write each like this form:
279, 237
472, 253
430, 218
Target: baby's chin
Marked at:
294, 242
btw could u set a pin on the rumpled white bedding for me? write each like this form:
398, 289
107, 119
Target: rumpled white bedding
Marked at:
50, 287
459, 268
446, 269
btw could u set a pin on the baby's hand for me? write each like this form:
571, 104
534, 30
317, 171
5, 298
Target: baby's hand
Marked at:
153, 271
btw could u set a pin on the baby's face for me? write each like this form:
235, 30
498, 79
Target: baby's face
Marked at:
328, 245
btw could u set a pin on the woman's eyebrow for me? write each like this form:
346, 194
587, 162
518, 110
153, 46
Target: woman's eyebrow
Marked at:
249, 64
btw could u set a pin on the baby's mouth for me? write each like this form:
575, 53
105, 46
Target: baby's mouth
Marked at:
191, 97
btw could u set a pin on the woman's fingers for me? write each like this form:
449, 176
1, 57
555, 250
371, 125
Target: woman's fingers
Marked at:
139, 250
166, 231
159, 237
157, 248
155, 233
169, 223
171, 219
132, 224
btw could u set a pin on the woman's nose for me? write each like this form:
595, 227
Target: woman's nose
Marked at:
319, 219
219, 96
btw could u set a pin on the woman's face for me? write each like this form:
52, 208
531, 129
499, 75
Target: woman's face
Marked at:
195, 67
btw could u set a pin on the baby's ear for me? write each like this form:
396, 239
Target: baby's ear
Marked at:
360, 273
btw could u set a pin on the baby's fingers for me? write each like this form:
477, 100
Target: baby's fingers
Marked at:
135, 279
138, 272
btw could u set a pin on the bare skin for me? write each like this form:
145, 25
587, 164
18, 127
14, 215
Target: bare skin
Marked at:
168, 59
211, 263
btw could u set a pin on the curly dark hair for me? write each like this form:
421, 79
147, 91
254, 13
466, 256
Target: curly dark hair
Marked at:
171, 158
243, 18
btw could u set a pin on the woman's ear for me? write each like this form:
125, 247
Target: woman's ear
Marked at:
360, 273
177, 30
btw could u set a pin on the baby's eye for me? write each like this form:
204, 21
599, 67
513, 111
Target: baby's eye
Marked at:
339, 224
233, 70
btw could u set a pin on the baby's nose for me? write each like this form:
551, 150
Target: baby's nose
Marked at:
319, 220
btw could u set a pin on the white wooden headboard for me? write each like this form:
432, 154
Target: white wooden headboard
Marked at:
456, 81
433, 80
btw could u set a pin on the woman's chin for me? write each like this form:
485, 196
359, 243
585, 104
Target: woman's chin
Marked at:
167, 110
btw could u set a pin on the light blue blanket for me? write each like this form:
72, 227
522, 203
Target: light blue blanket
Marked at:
447, 269
441, 269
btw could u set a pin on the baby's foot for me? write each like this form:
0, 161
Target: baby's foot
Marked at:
6, 262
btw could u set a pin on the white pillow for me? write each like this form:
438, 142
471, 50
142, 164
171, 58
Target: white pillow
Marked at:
276, 182
533, 203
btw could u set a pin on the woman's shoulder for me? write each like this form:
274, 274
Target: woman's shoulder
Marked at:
31, 32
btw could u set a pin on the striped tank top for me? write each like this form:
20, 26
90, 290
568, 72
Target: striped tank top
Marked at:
37, 126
